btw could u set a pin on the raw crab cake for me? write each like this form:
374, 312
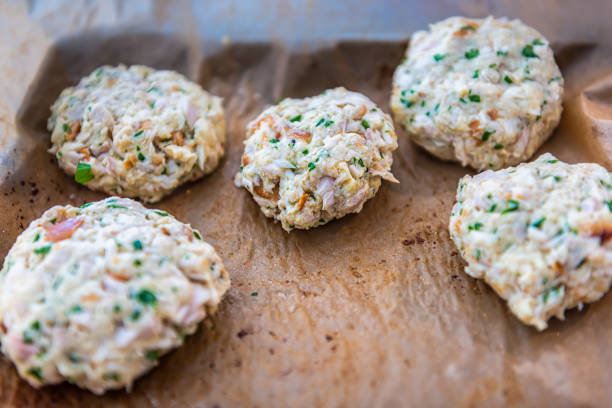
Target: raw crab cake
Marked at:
308, 161
94, 295
136, 132
484, 92
539, 234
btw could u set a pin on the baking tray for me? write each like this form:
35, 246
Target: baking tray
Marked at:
370, 310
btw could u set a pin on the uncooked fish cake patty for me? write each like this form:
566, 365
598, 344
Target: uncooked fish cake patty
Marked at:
136, 132
95, 295
484, 92
539, 234
308, 161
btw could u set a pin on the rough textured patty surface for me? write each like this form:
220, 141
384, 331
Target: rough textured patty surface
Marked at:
539, 234
308, 161
136, 132
484, 92
94, 295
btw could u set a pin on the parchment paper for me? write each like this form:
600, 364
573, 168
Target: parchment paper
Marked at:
370, 310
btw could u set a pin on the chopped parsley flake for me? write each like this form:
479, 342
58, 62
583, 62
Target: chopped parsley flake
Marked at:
475, 227
75, 309
86, 205
320, 122
137, 262
438, 57
141, 157
146, 297
152, 355
472, 53
42, 250
475, 74
609, 204
311, 166
137, 245
112, 376
296, 118
553, 79
140, 132
365, 124
502, 53
305, 151
254, 294
116, 206
162, 213
512, 206
406, 102
135, 314
197, 235
538, 223
274, 141
507, 79
36, 372
492, 208
546, 294
474, 98
486, 134
498, 146
537, 41
83, 173
328, 123
36, 238
468, 27
462, 100
528, 52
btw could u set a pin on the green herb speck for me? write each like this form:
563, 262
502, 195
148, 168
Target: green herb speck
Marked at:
538, 223
146, 297
472, 53
42, 250
83, 173
528, 52
513, 205
296, 118
486, 134
36, 372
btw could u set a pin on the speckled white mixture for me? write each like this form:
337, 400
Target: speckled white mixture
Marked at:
136, 132
94, 295
539, 234
484, 92
308, 161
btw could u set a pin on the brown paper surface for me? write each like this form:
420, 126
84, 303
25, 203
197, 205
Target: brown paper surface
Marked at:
370, 310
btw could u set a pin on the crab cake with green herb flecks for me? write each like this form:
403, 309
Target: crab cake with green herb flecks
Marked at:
308, 161
94, 295
484, 92
136, 132
539, 234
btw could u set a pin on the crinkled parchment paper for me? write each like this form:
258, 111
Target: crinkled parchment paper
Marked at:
370, 310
